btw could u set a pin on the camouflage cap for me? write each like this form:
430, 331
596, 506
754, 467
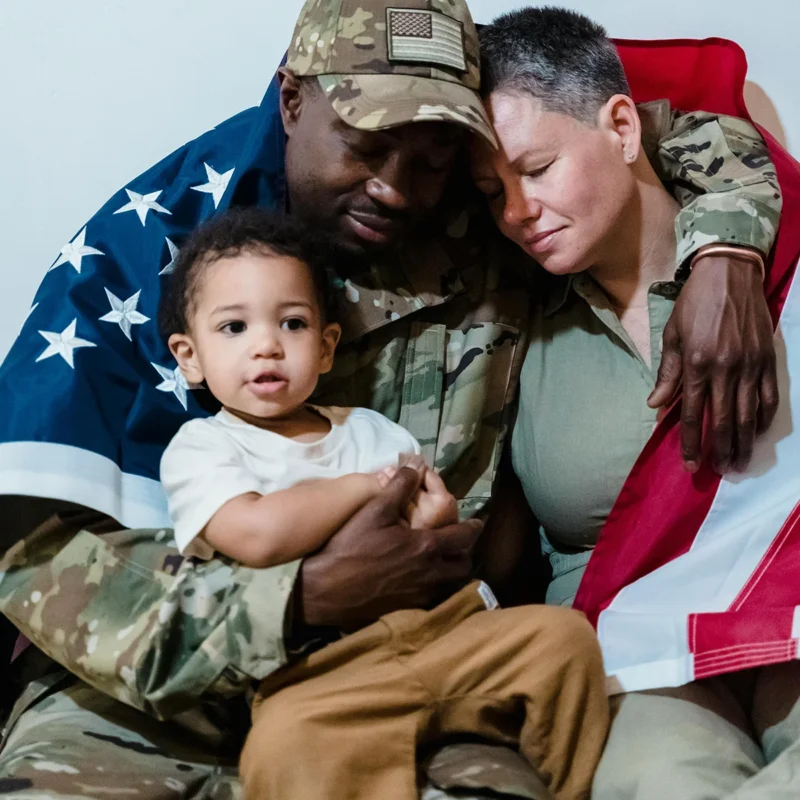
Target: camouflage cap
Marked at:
384, 63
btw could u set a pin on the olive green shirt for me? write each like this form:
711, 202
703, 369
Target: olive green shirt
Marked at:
583, 417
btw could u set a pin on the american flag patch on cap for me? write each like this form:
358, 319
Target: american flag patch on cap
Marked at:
429, 37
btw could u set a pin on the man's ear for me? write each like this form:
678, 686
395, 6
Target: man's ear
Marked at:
291, 99
331, 334
182, 347
620, 119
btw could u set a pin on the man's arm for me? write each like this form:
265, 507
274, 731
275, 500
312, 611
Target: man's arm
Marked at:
718, 343
720, 170
125, 613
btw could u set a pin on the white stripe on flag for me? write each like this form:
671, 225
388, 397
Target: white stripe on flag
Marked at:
63, 472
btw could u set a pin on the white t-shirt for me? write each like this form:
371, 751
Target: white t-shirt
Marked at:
210, 461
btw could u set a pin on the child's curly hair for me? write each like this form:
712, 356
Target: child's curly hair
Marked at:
228, 234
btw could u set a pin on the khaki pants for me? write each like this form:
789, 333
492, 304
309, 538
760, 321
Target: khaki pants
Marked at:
346, 721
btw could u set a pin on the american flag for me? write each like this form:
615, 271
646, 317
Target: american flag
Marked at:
89, 393
695, 576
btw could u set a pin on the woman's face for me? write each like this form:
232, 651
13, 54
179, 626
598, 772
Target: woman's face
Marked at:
557, 187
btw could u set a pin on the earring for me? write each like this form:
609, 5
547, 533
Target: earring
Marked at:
629, 157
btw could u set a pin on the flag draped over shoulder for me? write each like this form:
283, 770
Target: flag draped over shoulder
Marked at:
695, 576
89, 393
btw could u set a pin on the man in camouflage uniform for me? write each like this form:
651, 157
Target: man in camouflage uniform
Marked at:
161, 650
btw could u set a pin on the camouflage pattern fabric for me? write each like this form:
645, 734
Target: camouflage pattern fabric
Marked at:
482, 766
434, 337
713, 162
352, 46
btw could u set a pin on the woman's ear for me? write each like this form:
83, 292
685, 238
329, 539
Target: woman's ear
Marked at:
621, 119
182, 347
331, 334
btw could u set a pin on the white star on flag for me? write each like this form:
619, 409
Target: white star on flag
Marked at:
75, 251
124, 312
173, 255
217, 183
173, 382
62, 344
141, 204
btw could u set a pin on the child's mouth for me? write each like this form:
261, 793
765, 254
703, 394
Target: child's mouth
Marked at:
268, 383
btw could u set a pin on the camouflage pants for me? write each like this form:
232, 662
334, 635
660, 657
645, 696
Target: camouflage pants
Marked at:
69, 741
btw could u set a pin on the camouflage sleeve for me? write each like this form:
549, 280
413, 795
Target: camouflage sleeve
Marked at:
720, 170
125, 613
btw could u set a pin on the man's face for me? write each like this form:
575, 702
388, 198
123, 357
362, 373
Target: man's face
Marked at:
366, 189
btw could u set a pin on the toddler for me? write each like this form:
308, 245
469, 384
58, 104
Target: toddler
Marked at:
272, 477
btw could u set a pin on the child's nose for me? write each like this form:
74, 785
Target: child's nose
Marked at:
268, 345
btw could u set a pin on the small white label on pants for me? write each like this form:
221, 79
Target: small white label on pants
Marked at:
487, 595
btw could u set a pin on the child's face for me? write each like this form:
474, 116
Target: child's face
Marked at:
256, 334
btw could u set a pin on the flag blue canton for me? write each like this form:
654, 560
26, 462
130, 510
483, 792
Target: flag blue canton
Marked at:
89, 393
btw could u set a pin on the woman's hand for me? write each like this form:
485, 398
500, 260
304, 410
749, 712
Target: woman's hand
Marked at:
719, 343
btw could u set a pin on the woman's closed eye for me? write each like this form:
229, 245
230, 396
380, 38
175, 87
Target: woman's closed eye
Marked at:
538, 172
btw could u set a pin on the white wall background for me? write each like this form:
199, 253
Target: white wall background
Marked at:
92, 92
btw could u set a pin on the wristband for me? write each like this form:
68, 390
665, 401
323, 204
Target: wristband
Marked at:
734, 252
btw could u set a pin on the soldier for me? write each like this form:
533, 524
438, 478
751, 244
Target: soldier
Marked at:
361, 135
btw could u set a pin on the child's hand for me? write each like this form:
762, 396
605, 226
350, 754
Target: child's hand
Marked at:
433, 506
410, 460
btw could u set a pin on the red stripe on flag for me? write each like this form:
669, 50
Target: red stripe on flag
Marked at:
775, 563
747, 657
727, 632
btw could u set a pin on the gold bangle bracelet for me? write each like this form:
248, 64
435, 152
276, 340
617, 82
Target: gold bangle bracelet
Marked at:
733, 252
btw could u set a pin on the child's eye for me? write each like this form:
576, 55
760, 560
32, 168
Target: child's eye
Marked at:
234, 328
294, 324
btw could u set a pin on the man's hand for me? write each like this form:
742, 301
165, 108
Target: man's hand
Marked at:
719, 343
377, 563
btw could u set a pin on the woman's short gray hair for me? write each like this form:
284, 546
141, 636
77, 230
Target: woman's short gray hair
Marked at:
557, 56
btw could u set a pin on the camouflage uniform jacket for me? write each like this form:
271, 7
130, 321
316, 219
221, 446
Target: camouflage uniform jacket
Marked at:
433, 339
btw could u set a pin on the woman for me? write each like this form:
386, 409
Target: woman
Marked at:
572, 186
